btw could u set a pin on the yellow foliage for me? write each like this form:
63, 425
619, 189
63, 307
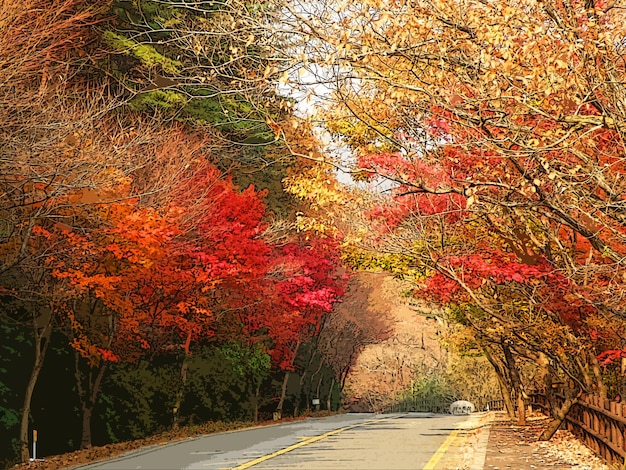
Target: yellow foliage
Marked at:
315, 185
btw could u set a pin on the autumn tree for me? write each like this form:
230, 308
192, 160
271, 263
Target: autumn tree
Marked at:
63, 150
158, 273
499, 127
306, 284
123, 225
49, 110
349, 329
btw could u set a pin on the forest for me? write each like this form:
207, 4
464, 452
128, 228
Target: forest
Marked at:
188, 187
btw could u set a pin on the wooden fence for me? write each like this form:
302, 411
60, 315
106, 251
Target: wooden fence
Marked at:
419, 405
598, 422
495, 405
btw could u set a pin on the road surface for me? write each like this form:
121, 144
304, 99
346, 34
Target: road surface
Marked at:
356, 441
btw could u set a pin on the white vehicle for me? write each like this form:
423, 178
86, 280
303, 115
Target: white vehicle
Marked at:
462, 407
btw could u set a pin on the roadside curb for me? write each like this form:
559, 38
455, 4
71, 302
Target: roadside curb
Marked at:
466, 448
484, 429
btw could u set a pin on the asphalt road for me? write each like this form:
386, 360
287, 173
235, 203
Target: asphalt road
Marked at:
351, 441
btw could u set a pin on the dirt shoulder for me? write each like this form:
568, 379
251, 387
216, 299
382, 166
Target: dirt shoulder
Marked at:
517, 447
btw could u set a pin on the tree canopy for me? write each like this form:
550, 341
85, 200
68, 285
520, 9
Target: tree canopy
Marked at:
498, 127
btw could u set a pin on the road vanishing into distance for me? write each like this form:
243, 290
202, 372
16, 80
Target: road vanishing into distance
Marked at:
349, 441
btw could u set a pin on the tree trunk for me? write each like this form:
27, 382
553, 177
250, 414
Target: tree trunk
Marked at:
283, 394
498, 367
506, 397
85, 441
42, 340
183, 383
516, 381
521, 409
256, 402
308, 399
181, 392
303, 379
597, 372
559, 415
283, 390
88, 391
330, 394
552, 427
558, 412
584, 369
343, 374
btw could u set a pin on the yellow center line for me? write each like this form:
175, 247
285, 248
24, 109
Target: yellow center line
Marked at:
441, 451
309, 440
